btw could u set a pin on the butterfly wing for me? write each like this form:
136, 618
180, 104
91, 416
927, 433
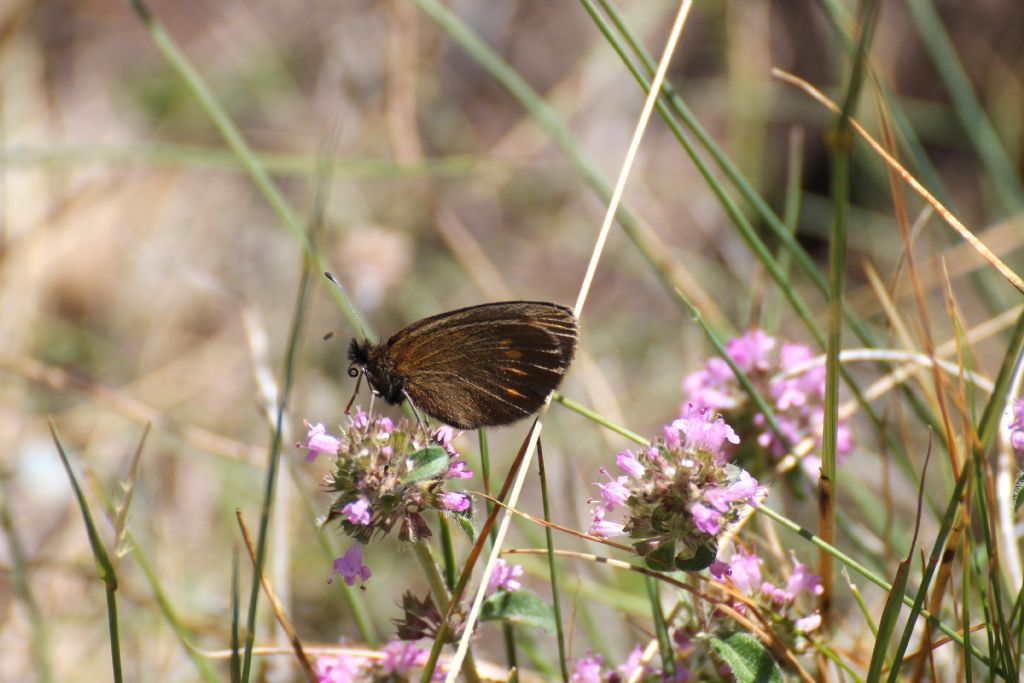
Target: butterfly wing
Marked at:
485, 365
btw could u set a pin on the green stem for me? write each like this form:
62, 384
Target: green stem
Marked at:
668, 662
442, 598
563, 656
106, 568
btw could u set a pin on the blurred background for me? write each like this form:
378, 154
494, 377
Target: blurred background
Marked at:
145, 279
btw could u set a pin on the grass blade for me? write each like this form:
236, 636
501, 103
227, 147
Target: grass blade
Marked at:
99, 553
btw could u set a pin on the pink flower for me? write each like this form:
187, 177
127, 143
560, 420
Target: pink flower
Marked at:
588, 669
810, 623
799, 579
1017, 426
614, 491
720, 570
505, 577
319, 441
705, 518
400, 656
601, 528
634, 664
745, 488
672, 437
802, 579
704, 430
350, 566
750, 352
746, 570
459, 470
340, 668
629, 464
457, 502
706, 388
361, 419
444, 436
358, 511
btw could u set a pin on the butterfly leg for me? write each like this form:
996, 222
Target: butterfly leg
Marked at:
419, 420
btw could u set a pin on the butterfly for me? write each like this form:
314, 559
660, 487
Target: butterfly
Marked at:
480, 366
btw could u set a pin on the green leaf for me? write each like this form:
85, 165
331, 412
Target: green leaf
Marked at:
1018, 490
701, 560
660, 560
426, 463
749, 660
466, 524
519, 607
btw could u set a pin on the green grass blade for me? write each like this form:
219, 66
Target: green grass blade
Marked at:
668, 662
549, 540
191, 78
977, 125
236, 659
99, 553
273, 461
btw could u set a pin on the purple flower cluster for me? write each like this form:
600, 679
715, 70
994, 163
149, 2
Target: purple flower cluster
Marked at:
743, 572
592, 669
398, 660
1017, 427
695, 658
679, 493
386, 474
780, 373
505, 577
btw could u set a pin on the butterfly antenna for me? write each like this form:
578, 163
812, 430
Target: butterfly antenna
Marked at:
344, 294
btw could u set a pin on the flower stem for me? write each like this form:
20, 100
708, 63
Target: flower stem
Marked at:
442, 598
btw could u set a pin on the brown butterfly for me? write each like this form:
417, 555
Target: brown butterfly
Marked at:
479, 366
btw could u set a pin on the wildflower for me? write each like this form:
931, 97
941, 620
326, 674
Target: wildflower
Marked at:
786, 377
350, 566
809, 624
745, 570
341, 668
358, 511
401, 656
601, 528
444, 435
629, 464
505, 577
720, 570
745, 574
457, 502
679, 493
614, 492
459, 470
1017, 426
629, 669
800, 579
706, 519
385, 474
703, 430
319, 441
588, 669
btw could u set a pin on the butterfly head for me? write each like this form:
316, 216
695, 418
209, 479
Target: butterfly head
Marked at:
372, 362
358, 356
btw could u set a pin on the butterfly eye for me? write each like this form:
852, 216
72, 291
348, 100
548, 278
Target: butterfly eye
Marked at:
353, 371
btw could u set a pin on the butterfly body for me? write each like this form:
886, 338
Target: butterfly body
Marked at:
485, 365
